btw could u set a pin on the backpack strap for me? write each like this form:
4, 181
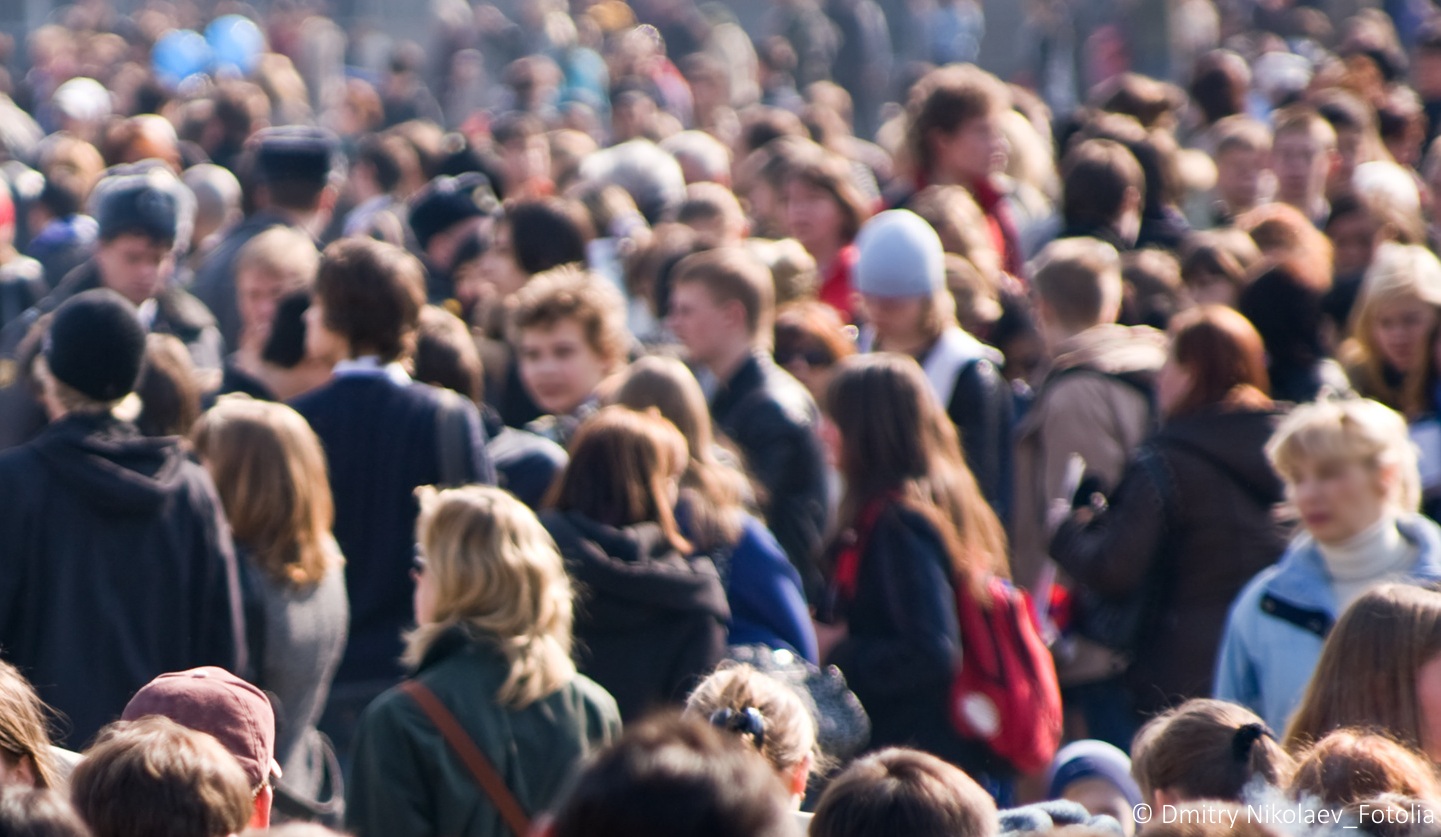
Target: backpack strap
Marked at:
475, 761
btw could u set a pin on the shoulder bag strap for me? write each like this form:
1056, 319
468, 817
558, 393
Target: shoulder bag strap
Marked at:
475, 761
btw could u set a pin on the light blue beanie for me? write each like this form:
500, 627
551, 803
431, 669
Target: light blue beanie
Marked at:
900, 255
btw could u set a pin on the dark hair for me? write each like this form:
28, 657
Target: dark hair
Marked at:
1286, 311
1147, 100
1096, 177
372, 293
1219, 84
547, 232
1223, 354
64, 192
156, 778
38, 812
446, 354
286, 345
669, 775
898, 791
805, 326
830, 173
168, 388
732, 274
944, 100
390, 157
1206, 749
1352, 765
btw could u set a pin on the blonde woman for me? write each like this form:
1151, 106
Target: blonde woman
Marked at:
1395, 319
270, 472
1350, 471
493, 644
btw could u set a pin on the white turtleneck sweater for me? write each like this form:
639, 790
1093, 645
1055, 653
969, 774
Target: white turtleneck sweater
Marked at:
1374, 556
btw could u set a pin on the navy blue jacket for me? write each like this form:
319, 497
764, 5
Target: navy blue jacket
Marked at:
382, 440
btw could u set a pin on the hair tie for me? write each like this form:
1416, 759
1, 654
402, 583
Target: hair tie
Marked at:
748, 721
1246, 738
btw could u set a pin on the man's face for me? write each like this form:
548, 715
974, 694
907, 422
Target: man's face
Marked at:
699, 323
135, 266
558, 367
1301, 164
1238, 177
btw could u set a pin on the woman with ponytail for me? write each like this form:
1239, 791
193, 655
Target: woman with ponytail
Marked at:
1206, 749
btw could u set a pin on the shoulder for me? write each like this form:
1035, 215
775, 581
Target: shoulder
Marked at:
595, 700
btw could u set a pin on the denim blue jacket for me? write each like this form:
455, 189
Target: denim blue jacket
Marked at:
1277, 625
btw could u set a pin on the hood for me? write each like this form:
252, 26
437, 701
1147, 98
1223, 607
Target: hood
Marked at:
109, 465
1114, 350
1234, 441
626, 574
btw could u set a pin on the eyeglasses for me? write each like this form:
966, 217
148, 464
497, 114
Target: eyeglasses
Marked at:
812, 357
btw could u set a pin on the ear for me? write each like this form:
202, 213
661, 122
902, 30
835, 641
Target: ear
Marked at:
734, 312
800, 774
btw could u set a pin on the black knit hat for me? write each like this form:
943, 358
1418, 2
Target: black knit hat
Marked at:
96, 345
148, 202
296, 153
447, 201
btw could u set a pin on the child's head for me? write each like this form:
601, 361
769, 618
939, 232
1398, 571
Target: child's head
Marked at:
1205, 749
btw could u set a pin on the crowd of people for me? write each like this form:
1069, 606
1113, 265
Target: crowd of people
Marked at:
631, 419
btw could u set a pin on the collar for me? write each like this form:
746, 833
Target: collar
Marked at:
1302, 579
370, 366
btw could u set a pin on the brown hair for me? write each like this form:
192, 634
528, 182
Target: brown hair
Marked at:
1240, 133
831, 173
1303, 119
790, 732
1366, 675
1080, 279
372, 293
1210, 818
810, 322
1150, 102
271, 473
38, 812
716, 492
1351, 765
1225, 357
1285, 236
1227, 253
898, 791
168, 387
446, 355
961, 225
731, 274
1097, 175
620, 462
569, 293
911, 447
156, 778
282, 251
944, 100
25, 726
1206, 749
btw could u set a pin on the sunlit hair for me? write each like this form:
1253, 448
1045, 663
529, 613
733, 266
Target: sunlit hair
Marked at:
1367, 672
790, 731
1349, 430
24, 726
911, 448
270, 471
717, 492
498, 576
1400, 274
1224, 356
1353, 765
1191, 752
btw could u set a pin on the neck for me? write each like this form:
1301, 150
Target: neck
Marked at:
915, 344
1374, 551
725, 365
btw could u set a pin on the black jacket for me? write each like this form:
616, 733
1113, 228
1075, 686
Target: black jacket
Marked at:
214, 283
903, 641
117, 566
773, 420
649, 622
1189, 545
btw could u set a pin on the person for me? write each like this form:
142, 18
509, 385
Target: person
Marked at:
809, 338
652, 616
1303, 156
22, 279
1241, 146
824, 210
669, 775
169, 388
493, 645
236, 713
26, 755
568, 330
763, 589
1103, 192
899, 791
38, 812
144, 216
442, 216
383, 435
1206, 749
1097, 776
918, 528
270, 471
1389, 642
156, 778
900, 275
1355, 764
294, 170
118, 563
1351, 471
1285, 304
721, 310
1396, 315
1195, 516
769, 716
272, 266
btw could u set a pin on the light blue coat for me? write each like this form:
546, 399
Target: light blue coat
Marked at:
1277, 625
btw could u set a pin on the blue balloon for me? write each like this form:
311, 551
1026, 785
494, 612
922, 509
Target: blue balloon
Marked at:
236, 42
178, 55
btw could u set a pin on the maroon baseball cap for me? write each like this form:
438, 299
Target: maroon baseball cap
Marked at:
214, 701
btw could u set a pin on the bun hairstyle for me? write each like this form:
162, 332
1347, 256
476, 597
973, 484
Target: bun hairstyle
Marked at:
760, 709
1207, 749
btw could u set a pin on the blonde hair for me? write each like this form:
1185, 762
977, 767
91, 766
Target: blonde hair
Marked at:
790, 730
498, 576
1353, 429
281, 251
271, 474
73, 401
25, 726
1400, 273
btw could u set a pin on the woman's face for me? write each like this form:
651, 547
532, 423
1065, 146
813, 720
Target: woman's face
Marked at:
897, 320
1400, 331
1428, 700
558, 367
811, 364
1172, 386
1339, 499
424, 591
321, 343
498, 266
812, 215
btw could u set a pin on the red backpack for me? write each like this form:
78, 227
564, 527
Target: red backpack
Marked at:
1005, 691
